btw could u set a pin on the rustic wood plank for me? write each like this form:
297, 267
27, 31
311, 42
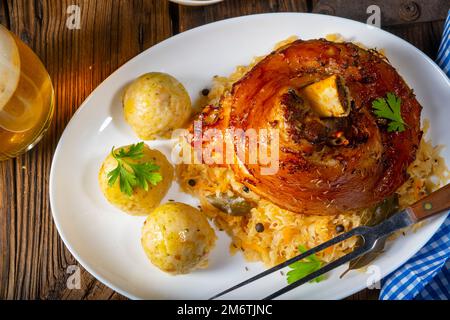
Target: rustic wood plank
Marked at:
367, 294
397, 12
91, 290
4, 19
190, 17
34, 260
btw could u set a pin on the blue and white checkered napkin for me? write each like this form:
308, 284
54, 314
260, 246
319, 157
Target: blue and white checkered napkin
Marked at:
427, 274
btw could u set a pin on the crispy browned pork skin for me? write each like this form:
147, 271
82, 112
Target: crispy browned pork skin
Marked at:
327, 165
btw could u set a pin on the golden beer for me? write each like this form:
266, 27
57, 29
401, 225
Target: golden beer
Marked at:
26, 97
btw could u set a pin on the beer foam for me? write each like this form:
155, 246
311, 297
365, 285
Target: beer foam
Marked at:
9, 66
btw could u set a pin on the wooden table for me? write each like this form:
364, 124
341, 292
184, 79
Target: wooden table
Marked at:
34, 260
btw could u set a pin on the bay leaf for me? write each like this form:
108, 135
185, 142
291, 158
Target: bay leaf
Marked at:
379, 213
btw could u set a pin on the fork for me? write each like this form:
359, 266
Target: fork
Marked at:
431, 205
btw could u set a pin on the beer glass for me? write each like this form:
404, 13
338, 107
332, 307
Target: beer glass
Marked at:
26, 97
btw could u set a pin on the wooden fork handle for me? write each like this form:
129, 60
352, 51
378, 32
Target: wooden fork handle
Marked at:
432, 204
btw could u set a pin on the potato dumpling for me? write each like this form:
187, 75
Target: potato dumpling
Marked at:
141, 201
177, 238
155, 104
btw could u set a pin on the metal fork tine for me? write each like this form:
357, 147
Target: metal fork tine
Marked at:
326, 268
354, 232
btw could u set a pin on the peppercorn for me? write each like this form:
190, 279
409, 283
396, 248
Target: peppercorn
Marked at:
259, 227
246, 189
205, 92
340, 228
192, 182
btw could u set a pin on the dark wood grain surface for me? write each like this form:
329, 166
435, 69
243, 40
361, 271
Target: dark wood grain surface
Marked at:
34, 260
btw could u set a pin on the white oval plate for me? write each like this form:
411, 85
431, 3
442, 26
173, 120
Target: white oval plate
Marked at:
107, 242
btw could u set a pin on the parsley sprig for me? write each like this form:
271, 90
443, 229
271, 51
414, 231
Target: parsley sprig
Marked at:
130, 173
390, 108
302, 268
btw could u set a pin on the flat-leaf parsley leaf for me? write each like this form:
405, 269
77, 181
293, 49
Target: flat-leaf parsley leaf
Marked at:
302, 268
132, 174
390, 108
